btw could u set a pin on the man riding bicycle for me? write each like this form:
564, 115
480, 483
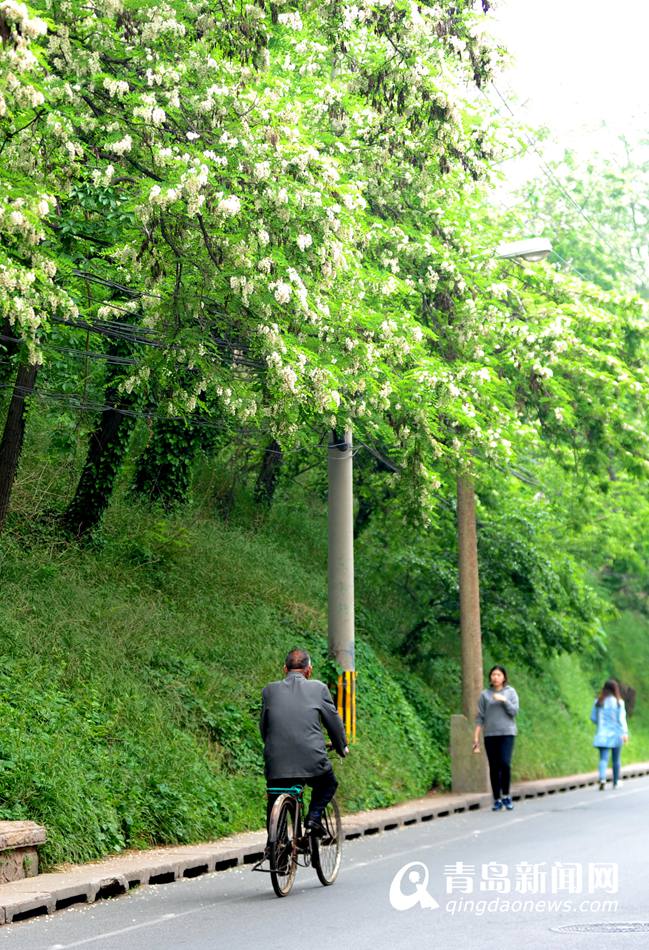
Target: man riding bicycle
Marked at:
293, 712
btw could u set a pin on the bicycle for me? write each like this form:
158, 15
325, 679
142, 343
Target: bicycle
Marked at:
287, 842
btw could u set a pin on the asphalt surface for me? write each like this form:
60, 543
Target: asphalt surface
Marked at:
524, 879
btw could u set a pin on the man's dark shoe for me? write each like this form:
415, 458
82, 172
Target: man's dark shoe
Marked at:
315, 829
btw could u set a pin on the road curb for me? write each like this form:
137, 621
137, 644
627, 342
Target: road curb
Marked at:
87, 883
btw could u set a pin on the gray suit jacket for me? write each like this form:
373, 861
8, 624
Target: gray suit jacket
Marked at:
291, 716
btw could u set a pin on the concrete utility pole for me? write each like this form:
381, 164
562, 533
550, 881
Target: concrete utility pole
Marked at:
341, 574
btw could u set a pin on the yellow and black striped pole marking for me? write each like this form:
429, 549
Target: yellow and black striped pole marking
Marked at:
347, 702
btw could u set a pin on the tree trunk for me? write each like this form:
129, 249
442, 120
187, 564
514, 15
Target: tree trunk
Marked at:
271, 465
363, 514
13, 435
163, 471
106, 450
470, 631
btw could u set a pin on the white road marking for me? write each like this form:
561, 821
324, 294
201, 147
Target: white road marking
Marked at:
125, 930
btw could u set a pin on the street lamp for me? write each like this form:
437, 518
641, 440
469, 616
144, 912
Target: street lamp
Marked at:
469, 772
532, 249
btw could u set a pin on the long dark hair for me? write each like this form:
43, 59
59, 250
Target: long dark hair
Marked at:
502, 670
610, 688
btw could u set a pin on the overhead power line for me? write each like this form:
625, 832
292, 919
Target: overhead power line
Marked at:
571, 267
75, 402
550, 174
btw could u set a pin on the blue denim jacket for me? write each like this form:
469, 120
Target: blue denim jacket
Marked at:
610, 720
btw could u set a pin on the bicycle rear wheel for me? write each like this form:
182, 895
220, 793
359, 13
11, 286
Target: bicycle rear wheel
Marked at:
282, 845
327, 851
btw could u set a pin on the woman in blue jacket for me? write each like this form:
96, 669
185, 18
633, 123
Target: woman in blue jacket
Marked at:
609, 715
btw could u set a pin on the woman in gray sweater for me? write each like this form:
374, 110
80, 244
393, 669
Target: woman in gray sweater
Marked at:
497, 711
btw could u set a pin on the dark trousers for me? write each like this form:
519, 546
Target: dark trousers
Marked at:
323, 788
499, 754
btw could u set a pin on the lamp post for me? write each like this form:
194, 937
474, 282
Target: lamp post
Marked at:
468, 771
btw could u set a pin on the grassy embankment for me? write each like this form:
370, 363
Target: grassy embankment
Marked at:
130, 676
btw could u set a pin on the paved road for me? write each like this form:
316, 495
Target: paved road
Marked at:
505, 881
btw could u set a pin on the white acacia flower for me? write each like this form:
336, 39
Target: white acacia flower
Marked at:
123, 146
150, 111
160, 22
29, 96
281, 291
49, 268
350, 15
288, 377
544, 372
230, 206
18, 13
265, 265
293, 20
116, 87
304, 241
230, 141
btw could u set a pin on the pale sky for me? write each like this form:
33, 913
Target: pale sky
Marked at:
578, 65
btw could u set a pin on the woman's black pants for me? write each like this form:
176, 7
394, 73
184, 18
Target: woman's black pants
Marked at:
499, 753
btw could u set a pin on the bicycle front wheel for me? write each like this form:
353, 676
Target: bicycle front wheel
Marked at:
327, 851
283, 845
